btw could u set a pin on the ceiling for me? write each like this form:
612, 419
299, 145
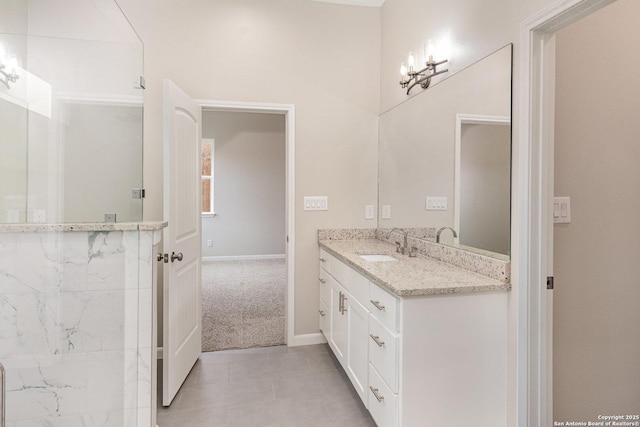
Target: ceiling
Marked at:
372, 3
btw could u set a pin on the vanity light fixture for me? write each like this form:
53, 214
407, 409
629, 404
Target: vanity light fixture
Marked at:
9, 72
409, 77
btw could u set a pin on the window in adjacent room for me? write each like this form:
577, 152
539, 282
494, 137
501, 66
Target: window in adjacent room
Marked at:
207, 176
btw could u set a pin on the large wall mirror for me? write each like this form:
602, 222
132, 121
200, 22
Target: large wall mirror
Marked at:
445, 158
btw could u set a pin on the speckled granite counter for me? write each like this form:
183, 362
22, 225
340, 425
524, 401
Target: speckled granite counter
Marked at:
83, 226
421, 275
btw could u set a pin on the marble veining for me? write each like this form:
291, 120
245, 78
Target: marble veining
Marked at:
417, 276
76, 326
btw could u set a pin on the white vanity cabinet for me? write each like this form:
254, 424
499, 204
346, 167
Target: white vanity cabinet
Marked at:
347, 325
427, 360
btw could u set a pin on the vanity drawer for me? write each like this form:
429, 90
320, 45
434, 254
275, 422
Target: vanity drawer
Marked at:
325, 260
383, 352
355, 283
383, 404
384, 307
325, 287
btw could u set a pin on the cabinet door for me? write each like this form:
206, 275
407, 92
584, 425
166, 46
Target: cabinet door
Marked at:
324, 319
358, 346
338, 335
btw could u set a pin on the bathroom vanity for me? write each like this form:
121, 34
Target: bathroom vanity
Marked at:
422, 341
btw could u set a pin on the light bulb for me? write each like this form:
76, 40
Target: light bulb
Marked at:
403, 70
429, 51
411, 62
12, 65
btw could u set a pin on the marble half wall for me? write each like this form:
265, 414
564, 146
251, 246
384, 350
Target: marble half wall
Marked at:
76, 327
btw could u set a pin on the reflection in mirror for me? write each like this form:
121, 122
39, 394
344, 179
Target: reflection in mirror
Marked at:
482, 182
437, 167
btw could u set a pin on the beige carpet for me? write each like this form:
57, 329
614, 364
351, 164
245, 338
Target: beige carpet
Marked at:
243, 304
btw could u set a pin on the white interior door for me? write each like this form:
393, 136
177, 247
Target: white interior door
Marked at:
182, 321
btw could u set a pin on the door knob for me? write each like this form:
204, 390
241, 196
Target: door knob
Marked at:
175, 256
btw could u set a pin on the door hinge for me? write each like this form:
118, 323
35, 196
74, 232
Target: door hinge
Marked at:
138, 193
141, 83
550, 282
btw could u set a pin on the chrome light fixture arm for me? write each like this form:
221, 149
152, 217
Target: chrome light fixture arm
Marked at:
422, 77
8, 77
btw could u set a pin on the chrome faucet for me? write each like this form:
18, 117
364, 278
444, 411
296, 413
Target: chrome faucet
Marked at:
403, 249
445, 228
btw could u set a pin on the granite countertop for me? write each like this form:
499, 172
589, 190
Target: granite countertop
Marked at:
83, 226
417, 276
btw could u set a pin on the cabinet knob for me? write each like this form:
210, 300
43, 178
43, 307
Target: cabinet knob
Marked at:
376, 393
176, 256
323, 281
323, 260
322, 313
377, 305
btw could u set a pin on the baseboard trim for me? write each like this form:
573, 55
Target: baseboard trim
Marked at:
298, 340
308, 339
242, 257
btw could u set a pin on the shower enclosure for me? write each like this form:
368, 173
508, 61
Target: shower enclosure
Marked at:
76, 285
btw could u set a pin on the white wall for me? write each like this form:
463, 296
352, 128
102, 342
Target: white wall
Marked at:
249, 184
324, 58
597, 148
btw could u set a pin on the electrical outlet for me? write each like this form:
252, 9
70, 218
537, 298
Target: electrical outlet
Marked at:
39, 216
13, 215
209, 243
386, 211
369, 212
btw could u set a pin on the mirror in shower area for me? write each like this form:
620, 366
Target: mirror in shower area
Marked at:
70, 113
452, 143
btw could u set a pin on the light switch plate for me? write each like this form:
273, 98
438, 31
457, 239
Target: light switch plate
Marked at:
561, 210
436, 203
316, 203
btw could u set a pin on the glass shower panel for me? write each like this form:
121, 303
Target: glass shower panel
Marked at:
74, 319
13, 134
71, 144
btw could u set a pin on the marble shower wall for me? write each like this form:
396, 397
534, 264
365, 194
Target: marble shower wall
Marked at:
76, 327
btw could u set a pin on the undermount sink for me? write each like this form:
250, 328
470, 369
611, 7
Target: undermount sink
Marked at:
377, 258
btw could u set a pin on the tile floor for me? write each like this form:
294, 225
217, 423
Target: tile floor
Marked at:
268, 386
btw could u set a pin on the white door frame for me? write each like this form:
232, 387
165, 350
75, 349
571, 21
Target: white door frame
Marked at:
290, 135
534, 193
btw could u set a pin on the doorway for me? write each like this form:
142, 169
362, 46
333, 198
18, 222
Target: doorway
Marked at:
243, 230
536, 229
287, 111
596, 321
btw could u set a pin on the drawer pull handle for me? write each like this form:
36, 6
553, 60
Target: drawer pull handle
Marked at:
376, 339
377, 305
323, 281
375, 392
322, 313
323, 260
